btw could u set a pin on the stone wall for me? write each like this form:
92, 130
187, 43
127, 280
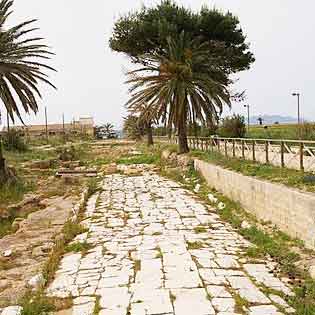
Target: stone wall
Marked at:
292, 211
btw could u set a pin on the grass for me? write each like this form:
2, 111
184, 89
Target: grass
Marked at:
281, 131
274, 246
36, 304
139, 159
69, 232
93, 187
78, 247
200, 229
14, 192
97, 307
194, 245
240, 303
137, 265
288, 177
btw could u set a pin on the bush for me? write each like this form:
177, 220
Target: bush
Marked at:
306, 131
13, 141
233, 127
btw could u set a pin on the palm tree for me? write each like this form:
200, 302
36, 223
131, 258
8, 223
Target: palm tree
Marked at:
21, 68
132, 128
181, 86
109, 130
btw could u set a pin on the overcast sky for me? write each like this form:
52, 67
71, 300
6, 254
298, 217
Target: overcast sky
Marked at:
90, 77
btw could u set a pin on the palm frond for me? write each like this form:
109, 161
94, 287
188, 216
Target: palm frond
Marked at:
21, 68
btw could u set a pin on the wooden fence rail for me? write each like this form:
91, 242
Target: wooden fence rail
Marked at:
293, 154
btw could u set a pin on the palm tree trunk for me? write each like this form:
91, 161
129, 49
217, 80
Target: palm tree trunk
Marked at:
2, 160
182, 136
3, 172
149, 134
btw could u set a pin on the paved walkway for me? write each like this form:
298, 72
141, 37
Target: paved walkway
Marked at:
158, 250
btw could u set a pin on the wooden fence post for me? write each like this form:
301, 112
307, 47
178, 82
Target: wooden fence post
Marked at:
225, 148
267, 151
234, 148
243, 149
254, 153
282, 154
302, 156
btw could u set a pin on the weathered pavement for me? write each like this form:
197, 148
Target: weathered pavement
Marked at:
159, 250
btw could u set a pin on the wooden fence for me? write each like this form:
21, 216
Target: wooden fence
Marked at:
295, 154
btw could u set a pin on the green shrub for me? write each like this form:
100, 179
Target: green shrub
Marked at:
13, 141
306, 131
233, 127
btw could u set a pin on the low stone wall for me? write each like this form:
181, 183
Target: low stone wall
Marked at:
292, 211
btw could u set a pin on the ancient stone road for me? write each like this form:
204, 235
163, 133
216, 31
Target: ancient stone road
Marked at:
158, 250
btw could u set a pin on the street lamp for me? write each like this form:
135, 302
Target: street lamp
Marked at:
247, 106
298, 100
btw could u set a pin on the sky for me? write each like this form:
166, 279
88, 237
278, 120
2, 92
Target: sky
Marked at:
90, 77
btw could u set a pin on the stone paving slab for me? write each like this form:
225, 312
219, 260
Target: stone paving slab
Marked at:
158, 250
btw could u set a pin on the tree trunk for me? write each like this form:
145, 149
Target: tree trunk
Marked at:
182, 136
2, 160
149, 134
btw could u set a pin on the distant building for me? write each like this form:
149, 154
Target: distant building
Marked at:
83, 126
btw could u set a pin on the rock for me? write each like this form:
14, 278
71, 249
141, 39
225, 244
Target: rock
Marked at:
134, 152
197, 188
3, 285
166, 155
184, 161
212, 198
12, 310
7, 253
312, 272
110, 169
37, 282
221, 206
17, 223
37, 252
4, 214
131, 172
43, 164
245, 225
71, 180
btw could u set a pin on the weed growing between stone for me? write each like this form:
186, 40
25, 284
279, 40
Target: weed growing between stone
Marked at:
36, 304
39, 304
276, 245
78, 247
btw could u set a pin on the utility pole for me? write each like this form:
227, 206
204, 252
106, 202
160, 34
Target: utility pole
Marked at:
63, 127
46, 124
298, 104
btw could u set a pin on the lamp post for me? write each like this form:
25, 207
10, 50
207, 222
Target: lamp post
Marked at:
248, 122
298, 103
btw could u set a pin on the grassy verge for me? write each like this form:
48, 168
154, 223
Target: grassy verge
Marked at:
288, 177
267, 243
139, 159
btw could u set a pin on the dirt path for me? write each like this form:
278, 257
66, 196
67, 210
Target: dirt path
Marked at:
156, 249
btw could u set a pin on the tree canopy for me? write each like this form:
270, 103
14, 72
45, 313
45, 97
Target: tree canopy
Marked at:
147, 31
21, 64
179, 87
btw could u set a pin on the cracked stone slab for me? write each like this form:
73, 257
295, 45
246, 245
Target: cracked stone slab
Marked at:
147, 257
